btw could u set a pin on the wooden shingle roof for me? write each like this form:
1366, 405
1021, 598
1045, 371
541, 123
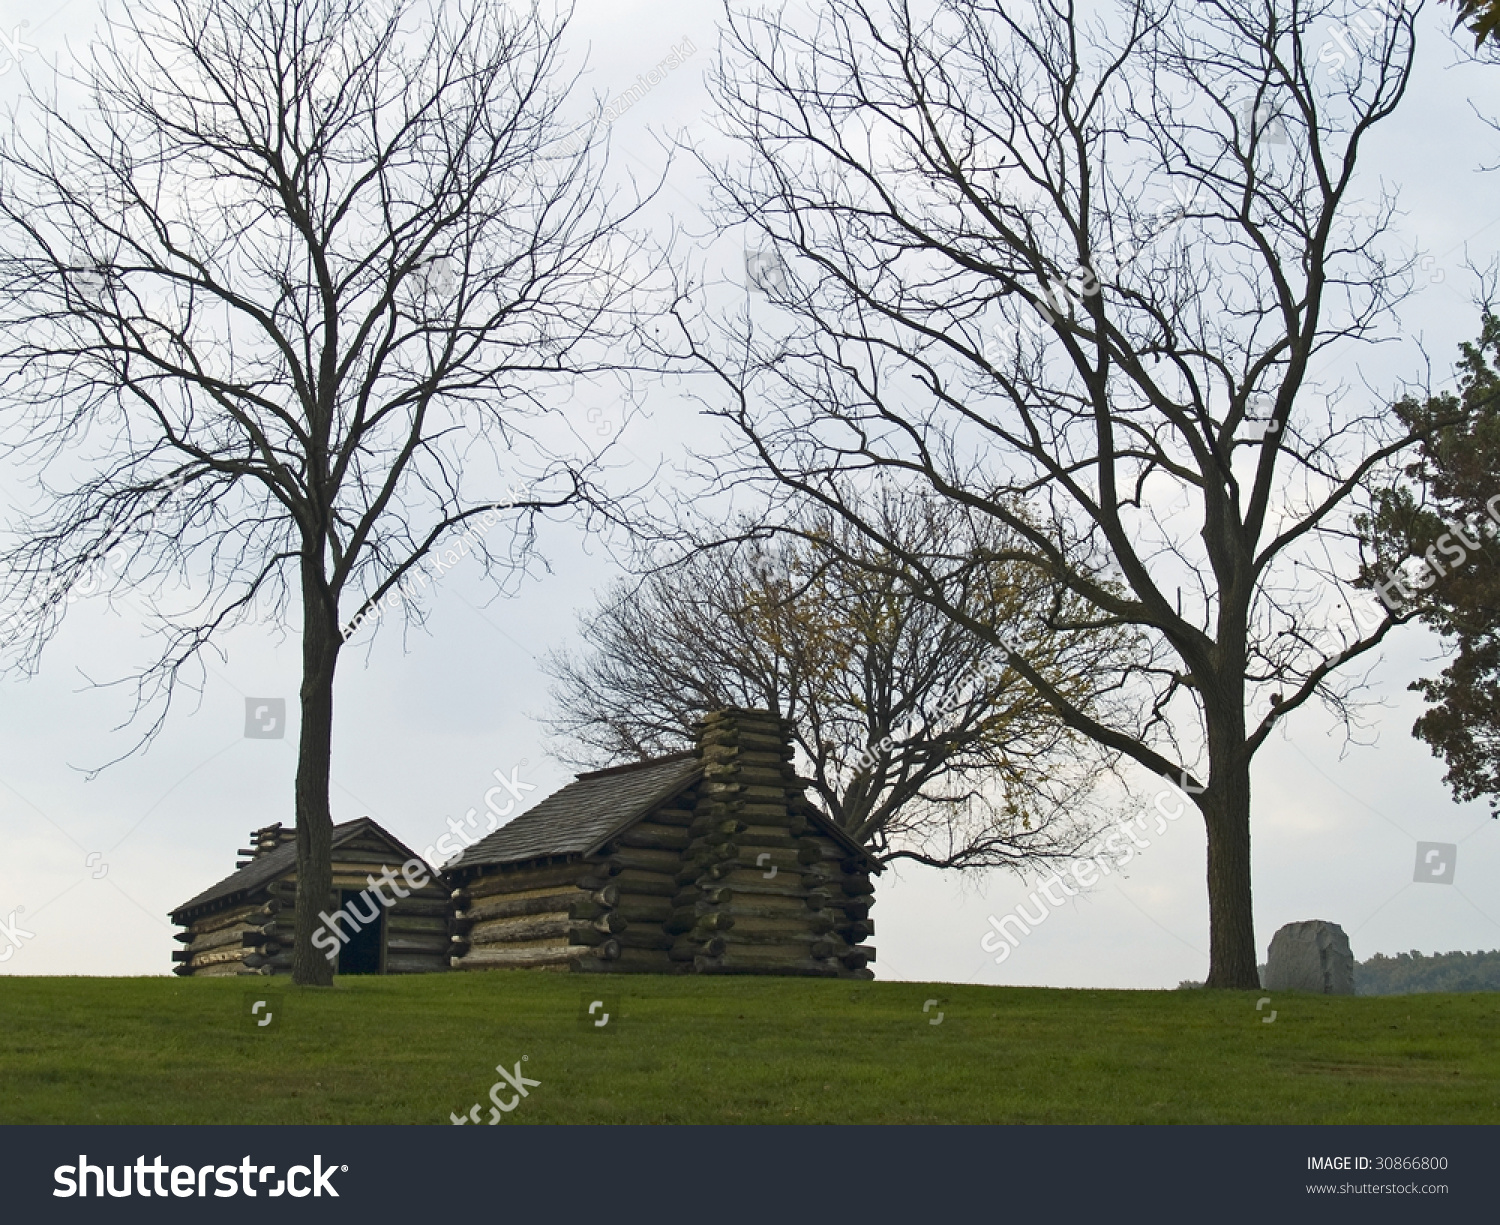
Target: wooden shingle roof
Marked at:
587, 812
263, 869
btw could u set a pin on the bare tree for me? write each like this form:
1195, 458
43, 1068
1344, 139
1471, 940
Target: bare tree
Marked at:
287, 311
916, 737
1099, 268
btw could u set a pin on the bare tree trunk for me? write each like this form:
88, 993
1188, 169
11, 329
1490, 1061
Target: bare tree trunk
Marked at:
1231, 918
320, 648
1226, 812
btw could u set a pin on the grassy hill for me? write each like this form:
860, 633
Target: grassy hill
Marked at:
725, 1050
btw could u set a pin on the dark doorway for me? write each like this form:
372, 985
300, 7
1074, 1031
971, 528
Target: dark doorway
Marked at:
361, 955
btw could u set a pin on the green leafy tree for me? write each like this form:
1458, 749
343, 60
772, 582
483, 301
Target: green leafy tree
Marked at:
1413, 973
1435, 538
1483, 17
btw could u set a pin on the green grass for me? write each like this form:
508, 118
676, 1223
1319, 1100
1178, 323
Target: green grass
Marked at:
726, 1050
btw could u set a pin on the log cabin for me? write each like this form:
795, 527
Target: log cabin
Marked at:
710, 861
243, 924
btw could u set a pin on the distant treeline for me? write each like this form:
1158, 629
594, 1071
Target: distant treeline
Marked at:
1413, 973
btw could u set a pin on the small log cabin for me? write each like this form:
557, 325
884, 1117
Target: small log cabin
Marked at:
710, 861
243, 925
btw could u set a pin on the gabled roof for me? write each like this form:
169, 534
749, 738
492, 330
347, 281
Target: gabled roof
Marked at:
263, 869
587, 812
598, 806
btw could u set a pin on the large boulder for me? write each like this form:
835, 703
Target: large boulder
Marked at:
1310, 956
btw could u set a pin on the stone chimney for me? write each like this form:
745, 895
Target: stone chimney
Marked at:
767, 887
747, 767
264, 841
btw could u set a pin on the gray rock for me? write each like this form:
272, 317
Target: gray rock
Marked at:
1310, 956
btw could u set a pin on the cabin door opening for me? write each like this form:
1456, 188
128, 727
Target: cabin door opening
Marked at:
363, 954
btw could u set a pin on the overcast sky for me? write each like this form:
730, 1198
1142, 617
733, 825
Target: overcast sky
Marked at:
421, 724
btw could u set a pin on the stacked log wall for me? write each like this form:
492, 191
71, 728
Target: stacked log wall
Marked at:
215, 944
255, 936
764, 891
641, 867
840, 886
519, 918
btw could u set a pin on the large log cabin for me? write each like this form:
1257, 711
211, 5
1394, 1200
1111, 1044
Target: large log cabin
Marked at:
243, 924
710, 861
